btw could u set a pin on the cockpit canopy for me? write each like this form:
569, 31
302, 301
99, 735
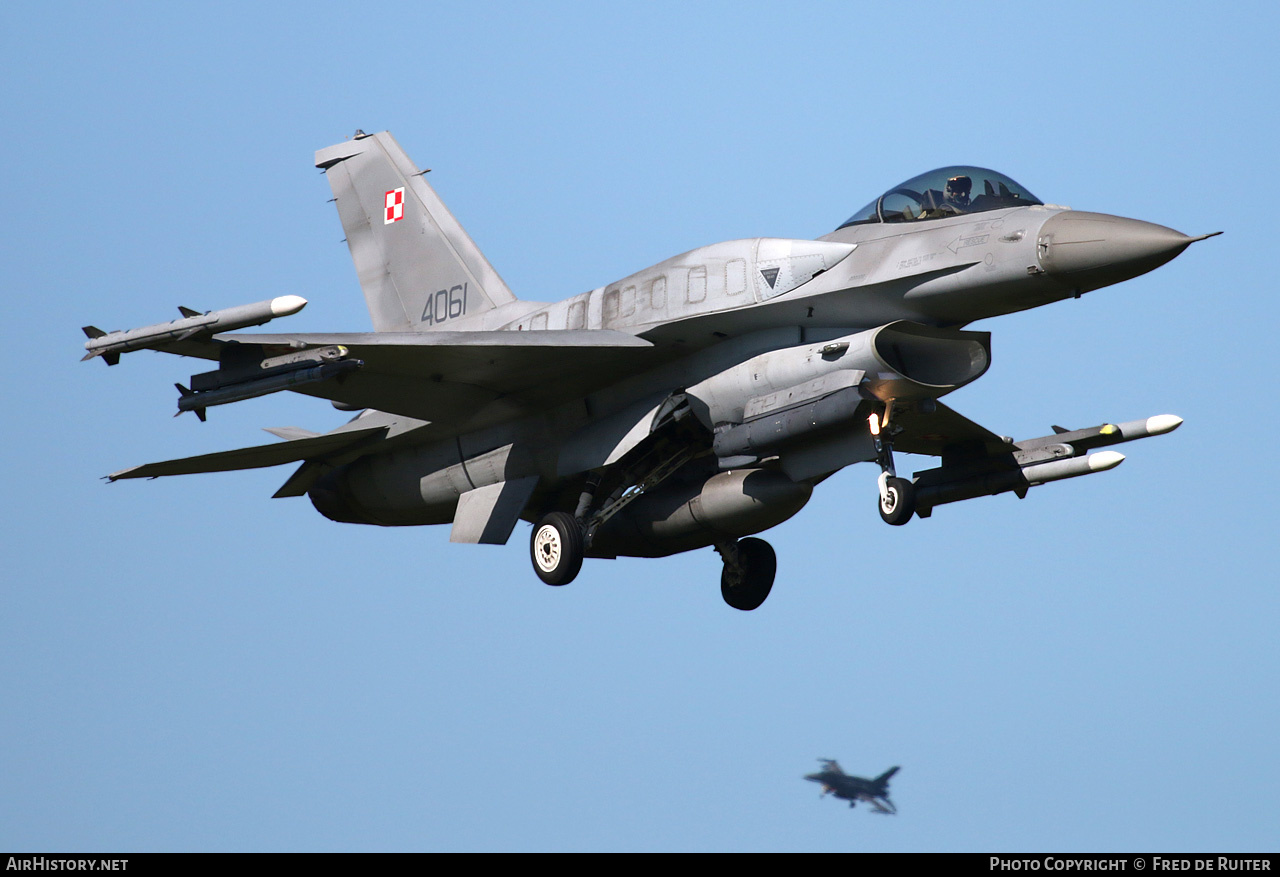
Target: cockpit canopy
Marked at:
947, 191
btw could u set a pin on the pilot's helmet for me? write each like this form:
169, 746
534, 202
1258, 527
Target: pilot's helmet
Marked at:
958, 189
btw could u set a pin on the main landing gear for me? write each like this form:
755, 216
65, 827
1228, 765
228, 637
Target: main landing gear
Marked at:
560, 540
897, 495
750, 566
557, 548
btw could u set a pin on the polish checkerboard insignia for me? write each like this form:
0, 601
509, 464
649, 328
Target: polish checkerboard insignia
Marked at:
394, 206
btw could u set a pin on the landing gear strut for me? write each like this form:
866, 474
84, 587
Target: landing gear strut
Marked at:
749, 569
560, 540
897, 495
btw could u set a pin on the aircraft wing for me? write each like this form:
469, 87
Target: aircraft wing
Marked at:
944, 432
259, 456
446, 377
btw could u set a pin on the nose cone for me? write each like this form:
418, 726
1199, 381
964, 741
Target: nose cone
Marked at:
1091, 250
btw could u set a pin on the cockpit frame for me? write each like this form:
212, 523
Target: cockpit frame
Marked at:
942, 193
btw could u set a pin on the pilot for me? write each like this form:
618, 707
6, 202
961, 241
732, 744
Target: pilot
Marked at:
957, 193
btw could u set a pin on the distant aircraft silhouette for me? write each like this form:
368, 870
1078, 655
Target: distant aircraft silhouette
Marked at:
854, 789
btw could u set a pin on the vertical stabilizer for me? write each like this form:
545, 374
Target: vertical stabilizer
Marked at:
884, 777
419, 269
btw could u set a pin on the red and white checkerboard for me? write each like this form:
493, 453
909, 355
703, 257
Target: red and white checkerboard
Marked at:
395, 206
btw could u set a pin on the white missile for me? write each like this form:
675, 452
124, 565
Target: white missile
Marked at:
1057, 470
109, 345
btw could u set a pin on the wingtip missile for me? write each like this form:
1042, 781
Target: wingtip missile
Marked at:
192, 325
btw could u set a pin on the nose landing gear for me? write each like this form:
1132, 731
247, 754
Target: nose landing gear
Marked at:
897, 495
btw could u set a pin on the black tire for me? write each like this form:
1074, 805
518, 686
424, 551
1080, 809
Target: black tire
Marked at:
899, 504
555, 547
759, 567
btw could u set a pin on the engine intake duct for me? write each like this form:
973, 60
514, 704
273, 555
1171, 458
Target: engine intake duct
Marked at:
919, 362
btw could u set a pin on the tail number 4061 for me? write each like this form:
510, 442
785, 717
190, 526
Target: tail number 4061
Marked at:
445, 305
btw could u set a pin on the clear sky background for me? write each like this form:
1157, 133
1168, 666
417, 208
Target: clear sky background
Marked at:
188, 664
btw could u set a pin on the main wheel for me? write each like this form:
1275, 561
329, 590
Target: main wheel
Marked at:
556, 548
898, 503
747, 587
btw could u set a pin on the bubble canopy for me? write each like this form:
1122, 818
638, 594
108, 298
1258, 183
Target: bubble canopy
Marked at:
947, 191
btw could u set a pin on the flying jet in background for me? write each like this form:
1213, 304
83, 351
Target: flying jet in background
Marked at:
854, 789
691, 404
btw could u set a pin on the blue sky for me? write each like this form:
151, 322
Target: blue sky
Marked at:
187, 664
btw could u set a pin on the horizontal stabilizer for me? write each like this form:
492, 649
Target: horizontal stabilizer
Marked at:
256, 457
290, 433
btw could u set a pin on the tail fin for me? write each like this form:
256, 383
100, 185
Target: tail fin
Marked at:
419, 269
884, 777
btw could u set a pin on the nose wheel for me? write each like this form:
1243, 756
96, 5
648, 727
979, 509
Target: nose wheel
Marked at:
750, 566
897, 500
556, 548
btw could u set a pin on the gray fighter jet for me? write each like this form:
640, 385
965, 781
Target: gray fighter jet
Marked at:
854, 789
691, 404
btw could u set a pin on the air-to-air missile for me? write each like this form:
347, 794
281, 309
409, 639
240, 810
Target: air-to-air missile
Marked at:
1066, 454
109, 345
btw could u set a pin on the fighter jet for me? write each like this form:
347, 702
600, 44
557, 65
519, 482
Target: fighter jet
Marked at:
691, 404
854, 789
